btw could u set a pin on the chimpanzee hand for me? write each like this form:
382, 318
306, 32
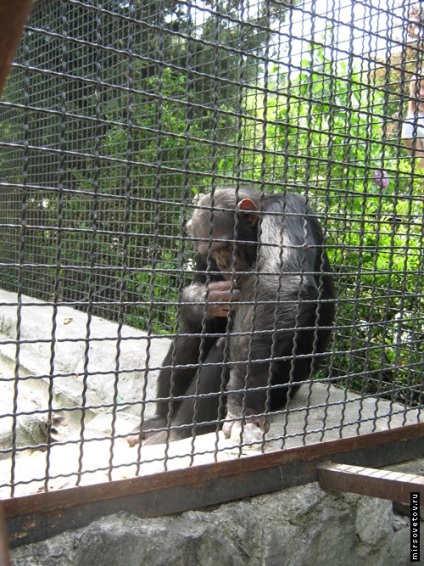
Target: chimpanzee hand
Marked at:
223, 292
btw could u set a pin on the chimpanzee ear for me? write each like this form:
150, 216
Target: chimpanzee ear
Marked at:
250, 211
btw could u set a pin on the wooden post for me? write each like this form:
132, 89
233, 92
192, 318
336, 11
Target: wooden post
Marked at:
13, 16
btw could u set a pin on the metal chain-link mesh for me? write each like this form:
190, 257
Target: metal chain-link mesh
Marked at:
116, 119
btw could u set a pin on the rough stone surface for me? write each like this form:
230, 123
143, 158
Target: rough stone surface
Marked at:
301, 526
73, 364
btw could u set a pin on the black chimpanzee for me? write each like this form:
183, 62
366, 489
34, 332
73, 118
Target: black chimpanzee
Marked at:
256, 318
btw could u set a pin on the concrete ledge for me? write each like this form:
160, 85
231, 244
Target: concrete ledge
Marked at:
318, 412
63, 341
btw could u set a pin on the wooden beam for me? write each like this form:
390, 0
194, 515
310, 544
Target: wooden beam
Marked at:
13, 16
384, 484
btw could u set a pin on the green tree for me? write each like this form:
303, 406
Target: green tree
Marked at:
328, 136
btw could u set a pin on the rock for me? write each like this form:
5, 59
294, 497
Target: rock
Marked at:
300, 526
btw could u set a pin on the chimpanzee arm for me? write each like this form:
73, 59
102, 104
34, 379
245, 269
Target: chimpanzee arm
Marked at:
192, 308
209, 297
193, 298
188, 348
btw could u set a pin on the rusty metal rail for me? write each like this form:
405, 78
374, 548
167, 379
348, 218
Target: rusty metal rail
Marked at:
42, 515
4, 546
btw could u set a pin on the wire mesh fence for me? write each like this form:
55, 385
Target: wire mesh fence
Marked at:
117, 119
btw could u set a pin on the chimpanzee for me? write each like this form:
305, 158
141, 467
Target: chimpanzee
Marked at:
255, 320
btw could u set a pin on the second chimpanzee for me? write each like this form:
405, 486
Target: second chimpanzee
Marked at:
255, 320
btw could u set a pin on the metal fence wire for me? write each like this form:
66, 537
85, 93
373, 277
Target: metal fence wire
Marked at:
217, 205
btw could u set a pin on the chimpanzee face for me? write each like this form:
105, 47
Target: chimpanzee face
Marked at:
224, 254
226, 234
232, 251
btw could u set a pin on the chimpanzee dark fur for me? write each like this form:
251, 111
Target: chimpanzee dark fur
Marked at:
268, 253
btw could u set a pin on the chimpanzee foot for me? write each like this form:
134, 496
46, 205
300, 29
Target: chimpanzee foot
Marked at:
248, 429
153, 423
162, 437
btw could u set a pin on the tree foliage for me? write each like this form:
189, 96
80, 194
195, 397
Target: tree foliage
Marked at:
128, 110
329, 134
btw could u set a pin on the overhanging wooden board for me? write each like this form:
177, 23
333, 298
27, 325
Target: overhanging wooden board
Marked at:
385, 484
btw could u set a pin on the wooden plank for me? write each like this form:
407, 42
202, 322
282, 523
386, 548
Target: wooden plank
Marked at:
13, 16
42, 515
384, 484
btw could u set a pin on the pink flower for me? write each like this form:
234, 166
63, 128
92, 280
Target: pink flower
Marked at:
381, 179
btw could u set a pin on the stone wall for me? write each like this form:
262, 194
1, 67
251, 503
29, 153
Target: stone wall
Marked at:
296, 527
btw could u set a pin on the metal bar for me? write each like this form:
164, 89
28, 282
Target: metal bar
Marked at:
385, 484
42, 515
4, 546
